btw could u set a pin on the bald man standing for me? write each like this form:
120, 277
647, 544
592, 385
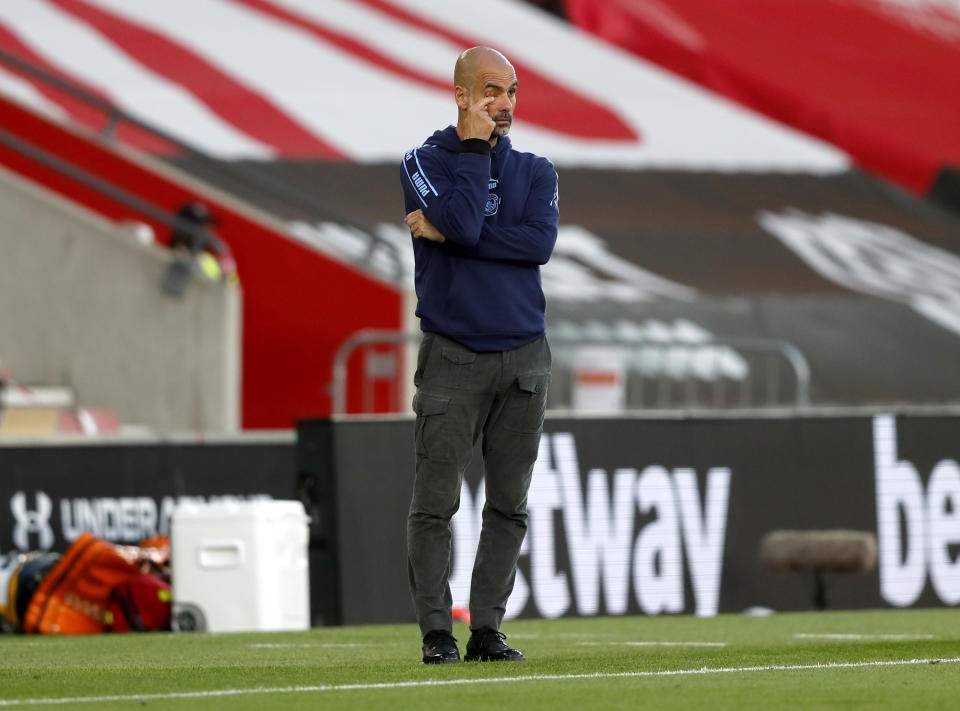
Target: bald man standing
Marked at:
483, 218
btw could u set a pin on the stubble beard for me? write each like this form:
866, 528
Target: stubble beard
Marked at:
501, 131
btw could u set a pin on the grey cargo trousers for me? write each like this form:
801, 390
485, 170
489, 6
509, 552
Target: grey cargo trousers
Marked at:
463, 397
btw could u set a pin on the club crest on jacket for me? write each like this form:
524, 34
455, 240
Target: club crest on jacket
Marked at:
493, 204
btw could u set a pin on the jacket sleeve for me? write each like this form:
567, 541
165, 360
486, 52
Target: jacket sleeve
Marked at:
532, 241
454, 205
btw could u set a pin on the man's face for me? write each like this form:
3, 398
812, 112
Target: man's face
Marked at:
500, 82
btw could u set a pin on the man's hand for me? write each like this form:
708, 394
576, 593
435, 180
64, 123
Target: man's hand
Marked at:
475, 122
420, 226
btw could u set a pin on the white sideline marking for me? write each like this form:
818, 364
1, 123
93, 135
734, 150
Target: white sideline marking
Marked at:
560, 635
459, 682
653, 644
327, 645
811, 635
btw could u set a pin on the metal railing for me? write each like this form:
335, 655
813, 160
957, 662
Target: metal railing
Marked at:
109, 189
675, 383
671, 391
364, 337
280, 191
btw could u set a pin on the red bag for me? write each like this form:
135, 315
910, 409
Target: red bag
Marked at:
74, 596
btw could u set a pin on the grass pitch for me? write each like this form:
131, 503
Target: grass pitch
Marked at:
835, 660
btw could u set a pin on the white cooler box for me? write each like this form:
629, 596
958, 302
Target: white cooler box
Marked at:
240, 566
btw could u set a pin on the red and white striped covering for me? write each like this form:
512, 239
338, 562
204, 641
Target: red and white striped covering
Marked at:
364, 80
878, 78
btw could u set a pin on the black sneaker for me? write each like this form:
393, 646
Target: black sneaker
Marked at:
486, 645
439, 647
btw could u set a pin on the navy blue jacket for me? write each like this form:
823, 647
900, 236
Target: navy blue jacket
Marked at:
498, 212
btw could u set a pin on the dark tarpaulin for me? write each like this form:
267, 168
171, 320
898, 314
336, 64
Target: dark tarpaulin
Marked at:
704, 230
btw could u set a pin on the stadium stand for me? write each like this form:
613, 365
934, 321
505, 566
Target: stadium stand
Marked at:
865, 75
728, 259
714, 249
289, 284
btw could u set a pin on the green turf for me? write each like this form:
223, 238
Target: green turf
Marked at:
122, 665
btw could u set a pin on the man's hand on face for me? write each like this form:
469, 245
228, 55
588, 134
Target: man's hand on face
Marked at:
476, 122
421, 227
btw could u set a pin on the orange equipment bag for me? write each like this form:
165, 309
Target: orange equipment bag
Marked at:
74, 596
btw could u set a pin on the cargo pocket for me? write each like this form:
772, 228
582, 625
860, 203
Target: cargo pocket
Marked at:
429, 437
527, 404
456, 367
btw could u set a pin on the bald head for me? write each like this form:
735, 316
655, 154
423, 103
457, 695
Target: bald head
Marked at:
483, 74
477, 58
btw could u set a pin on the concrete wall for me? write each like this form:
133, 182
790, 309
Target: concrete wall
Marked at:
81, 306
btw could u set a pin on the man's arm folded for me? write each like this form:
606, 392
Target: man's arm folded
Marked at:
454, 207
532, 241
